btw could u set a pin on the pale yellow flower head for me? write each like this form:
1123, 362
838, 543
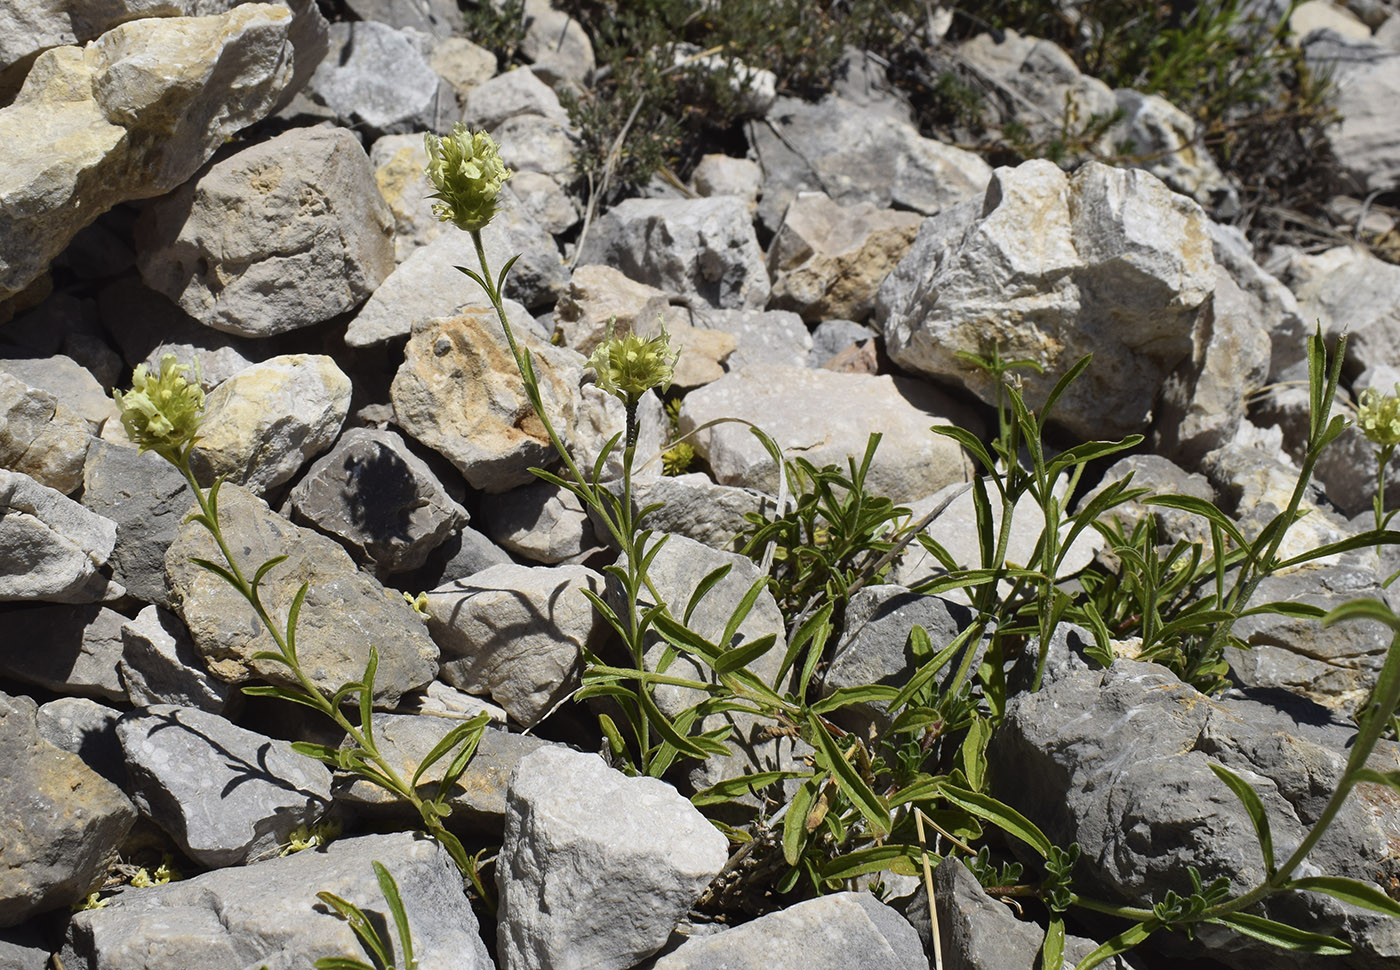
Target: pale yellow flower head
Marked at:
1378, 416
161, 412
467, 170
627, 367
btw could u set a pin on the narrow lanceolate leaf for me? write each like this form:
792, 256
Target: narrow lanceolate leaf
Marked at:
1391, 779
292, 613
1260, 818
1003, 816
859, 694
795, 822
281, 693
363, 928
1121, 943
1349, 891
1052, 951
1284, 936
449, 741
390, 889
738, 787
863, 861
852, 785
703, 587
341, 963
744, 654
1190, 503
321, 752
220, 571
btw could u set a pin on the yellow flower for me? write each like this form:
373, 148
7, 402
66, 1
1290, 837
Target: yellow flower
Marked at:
467, 170
1378, 416
629, 366
161, 413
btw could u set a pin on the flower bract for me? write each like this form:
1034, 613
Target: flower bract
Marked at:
1378, 416
466, 169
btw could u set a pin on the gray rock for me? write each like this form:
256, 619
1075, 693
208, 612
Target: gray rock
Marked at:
1162, 139
261, 425
478, 799
1121, 267
556, 45
1336, 667
828, 260
88, 729
505, 96
225, 794
147, 498
854, 155
541, 523
64, 820
41, 436
375, 78
1270, 303
517, 633
465, 552
1162, 477
51, 548
851, 930
831, 337
874, 647
68, 650
600, 299
345, 611
1348, 289
483, 424
544, 200
702, 250
284, 234
160, 665
441, 18
22, 948
861, 80
131, 130
726, 175
584, 843
695, 507
1366, 78
71, 382
1118, 761
426, 287
268, 914
378, 498
532, 143
826, 417
775, 338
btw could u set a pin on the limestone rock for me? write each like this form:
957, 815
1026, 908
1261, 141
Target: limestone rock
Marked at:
1348, 289
541, 523
828, 260
698, 249
1162, 139
459, 392
826, 417
1366, 79
63, 819
380, 499
53, 548
225, 794
1119, 266
600, 297
584, 843
852, 930
268, 914
376, 78
131, 116
695, 507
535, 143
508, 95
516, 633
284, 234
556, 45
726, 175
854, 155
345, 611
544, 200
87, 728
65, 649
263, 424
41, 436
72, 383
761, 337
160, 665
147, 498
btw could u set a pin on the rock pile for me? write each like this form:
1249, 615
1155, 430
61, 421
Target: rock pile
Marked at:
240, 184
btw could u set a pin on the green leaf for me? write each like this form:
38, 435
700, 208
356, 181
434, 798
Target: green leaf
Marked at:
852, 785
321, 752
1260, 818
863, 861
1391, 779
814, 630
744, 654
367, 696
1297, 611
742, 611
795, 822
1364, 540
1052, 951
859, 694
616, 745
662, 726
1349, 891
221, 571
271, 657
1190, 503
733, 788
281, 693
974, 751
361, 925
1363, 609
390, 889
1001, 815
703, 587
969, 441
292, 614
339, 963
449, 741
1121, 943
1087, 452
1070, 376
1282, 935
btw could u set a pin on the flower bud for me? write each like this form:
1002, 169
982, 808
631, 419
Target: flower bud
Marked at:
467, 170
162, 413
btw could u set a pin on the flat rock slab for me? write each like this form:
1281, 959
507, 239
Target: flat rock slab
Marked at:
825, 418
345, 611
584, 845
225, 794
51, 548
268, 914
850, 930
63, 820
66, 649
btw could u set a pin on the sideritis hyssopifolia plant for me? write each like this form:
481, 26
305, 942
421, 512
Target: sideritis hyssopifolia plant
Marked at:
162, 413
466, 169
1378, 417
